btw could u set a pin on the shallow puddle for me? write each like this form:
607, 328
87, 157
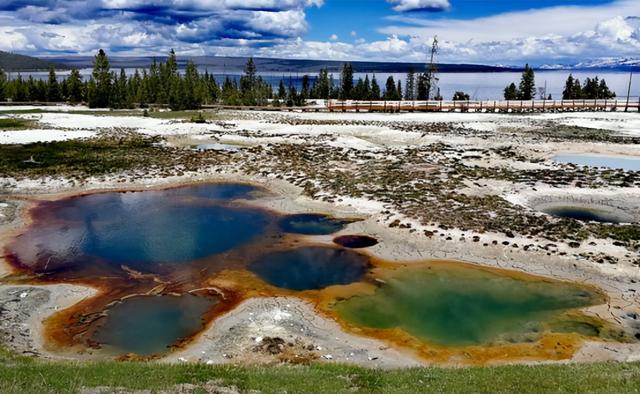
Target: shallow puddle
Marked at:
168, 262
618, 162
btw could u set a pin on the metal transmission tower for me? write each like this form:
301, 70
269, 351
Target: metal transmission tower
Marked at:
432, 70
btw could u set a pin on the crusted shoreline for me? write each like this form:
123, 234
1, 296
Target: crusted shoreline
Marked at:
376, 182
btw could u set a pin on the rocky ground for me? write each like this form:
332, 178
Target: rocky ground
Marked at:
458, 186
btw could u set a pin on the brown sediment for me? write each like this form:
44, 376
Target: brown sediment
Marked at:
225, 277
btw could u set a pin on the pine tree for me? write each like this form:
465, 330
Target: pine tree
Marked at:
527, 88
390, 92
511, 92
292, 97
346, 77
399, 91
74, 87
410, 88
305, 93
604, 92
568, 92
192, 99
282, 90
375, 88
423, 87
34, 92
358, 91
248, 84
3, 85
53, 89
100, 94
461, 96
367, 88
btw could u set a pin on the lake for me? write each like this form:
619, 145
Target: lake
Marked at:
480, 86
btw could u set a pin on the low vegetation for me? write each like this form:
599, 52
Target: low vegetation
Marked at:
19, 374
12, 124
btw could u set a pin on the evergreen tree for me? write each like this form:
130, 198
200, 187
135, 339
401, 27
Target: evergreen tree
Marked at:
3, 85
53, 89
367, 88
527, 88
375, 88
292, 96
590, 89
604, 92
20, 90
568, 92
424, 86
358, 91
230, 94
461, 96
511, 92
399, 91
74, 87
390, 92
282, 90
410, 88
322, 85
192, 97
100, 92
305, 93
346, 77
248, 84
33, 90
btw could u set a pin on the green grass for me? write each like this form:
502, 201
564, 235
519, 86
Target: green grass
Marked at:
78, 157
178, 115
12, 124
26, 375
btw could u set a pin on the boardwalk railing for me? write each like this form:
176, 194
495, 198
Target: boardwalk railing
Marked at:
427, 106
483, 106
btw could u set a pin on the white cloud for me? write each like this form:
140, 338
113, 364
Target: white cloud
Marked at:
420, 5
273, 28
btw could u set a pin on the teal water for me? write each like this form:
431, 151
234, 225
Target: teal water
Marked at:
182, 237
464, 306
147, 325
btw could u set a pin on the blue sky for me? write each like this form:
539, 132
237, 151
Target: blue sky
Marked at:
366, 16
470, 31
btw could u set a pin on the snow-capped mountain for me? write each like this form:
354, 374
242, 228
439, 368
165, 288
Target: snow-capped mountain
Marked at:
606, 63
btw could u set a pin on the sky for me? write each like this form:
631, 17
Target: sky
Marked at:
497, 32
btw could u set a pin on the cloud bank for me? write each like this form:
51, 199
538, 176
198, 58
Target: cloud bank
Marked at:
276, 28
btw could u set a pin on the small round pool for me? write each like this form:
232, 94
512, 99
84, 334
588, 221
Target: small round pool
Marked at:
311, 268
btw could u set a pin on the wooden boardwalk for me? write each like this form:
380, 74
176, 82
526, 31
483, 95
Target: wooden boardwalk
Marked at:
506, 106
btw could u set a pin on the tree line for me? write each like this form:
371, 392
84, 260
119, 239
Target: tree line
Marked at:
593, 89
526, 90
163, 84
